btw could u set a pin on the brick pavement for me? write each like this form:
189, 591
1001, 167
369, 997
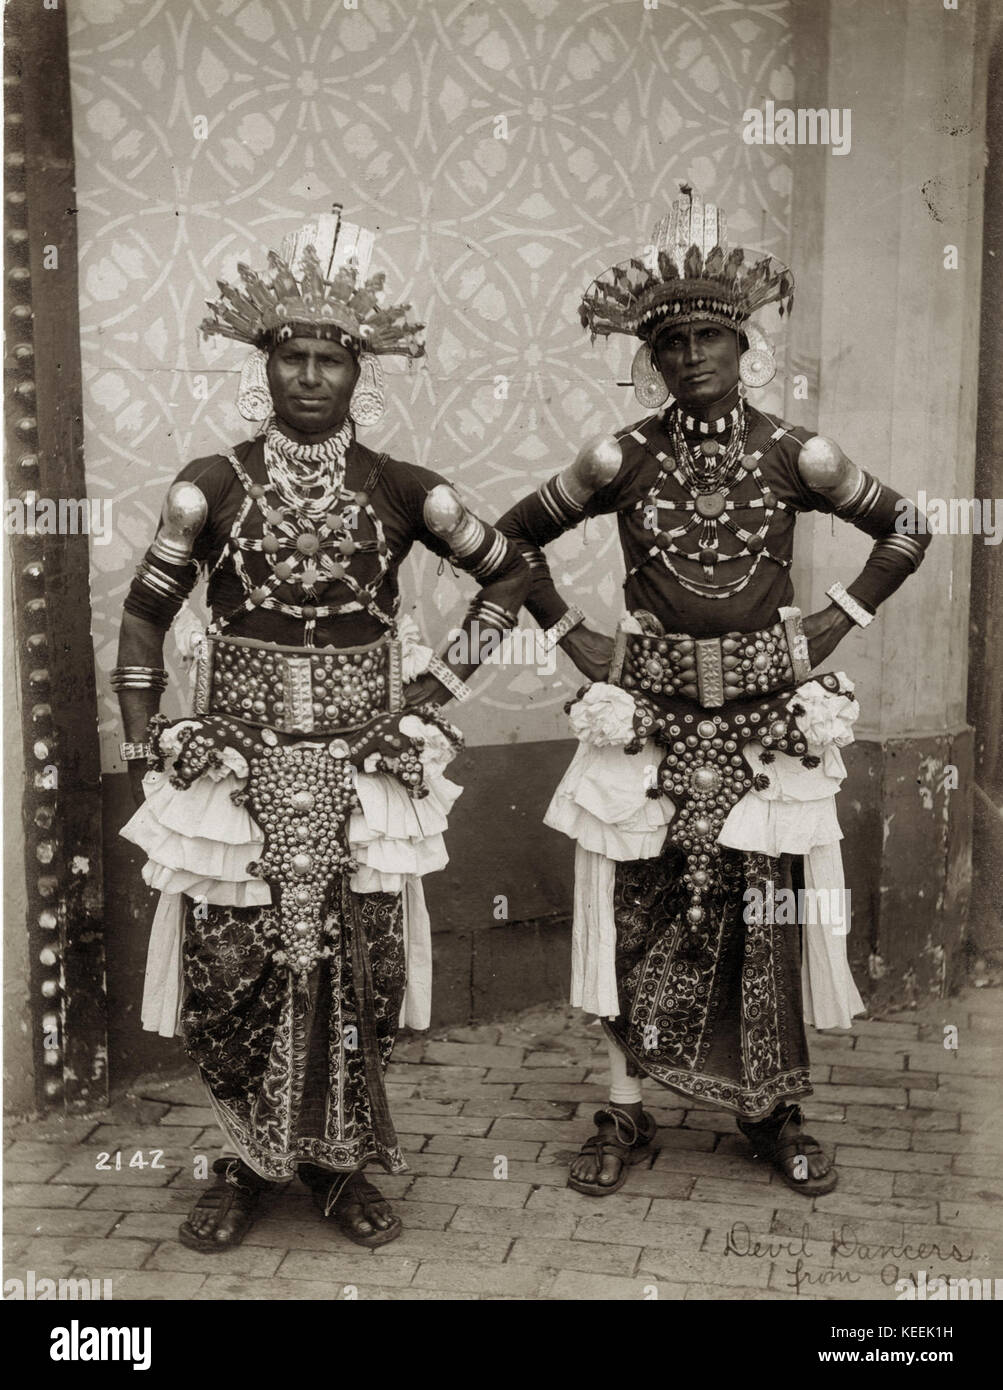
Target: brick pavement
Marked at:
489, 1118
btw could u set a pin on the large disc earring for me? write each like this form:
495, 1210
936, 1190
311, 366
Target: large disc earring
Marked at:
368, 399
254, 399
649, 386
758, 365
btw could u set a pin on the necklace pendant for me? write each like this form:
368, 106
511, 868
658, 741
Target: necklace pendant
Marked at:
709, 447
710, 504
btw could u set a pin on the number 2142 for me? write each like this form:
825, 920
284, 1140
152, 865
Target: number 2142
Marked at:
136, 1161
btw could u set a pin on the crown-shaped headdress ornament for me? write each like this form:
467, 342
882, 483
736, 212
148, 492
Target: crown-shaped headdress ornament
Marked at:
316, 288
688, 273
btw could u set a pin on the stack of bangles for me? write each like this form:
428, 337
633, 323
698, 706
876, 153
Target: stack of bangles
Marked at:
138, 678
165, 584
486, 615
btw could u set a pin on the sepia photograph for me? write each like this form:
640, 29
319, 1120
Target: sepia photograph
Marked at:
503, 742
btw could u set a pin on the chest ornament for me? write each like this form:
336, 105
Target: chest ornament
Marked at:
691, 527
320, 541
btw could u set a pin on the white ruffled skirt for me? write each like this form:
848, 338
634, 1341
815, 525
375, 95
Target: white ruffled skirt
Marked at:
602, 804
198, 844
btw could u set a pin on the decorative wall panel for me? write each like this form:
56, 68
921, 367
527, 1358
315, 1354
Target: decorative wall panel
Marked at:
504, 154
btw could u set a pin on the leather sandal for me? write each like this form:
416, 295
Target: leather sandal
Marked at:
783, 1150
232, 1200
350, 1199
630, 1143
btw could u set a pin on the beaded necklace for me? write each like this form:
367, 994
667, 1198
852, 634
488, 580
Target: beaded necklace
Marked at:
310, 540
709, 506
306, 477
694, 426
710, 468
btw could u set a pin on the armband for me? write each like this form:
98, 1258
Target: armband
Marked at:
138, 678
184, 514
567, 494
480, 550
825, 468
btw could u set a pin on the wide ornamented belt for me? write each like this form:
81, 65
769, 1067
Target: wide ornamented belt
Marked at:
297, 690
712, 670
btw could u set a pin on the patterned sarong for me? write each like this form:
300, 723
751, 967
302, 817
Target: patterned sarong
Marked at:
294, 1067
713, 1012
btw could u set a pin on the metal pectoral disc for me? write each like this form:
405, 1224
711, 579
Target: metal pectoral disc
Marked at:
710, 504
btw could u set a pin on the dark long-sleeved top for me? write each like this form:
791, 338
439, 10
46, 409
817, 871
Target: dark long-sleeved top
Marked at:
532, 525
397, 498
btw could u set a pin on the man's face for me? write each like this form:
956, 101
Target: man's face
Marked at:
699, 361
311, 384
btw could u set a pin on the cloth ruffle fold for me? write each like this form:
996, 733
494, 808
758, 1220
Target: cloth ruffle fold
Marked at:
197, 841
794, 814
602, 802
395, 837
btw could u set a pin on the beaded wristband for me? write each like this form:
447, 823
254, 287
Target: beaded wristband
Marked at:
561, 628
132, 752
457, 688
849, 605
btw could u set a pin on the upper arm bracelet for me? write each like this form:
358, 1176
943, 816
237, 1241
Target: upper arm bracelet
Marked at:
184, 514
480, 550
566, 495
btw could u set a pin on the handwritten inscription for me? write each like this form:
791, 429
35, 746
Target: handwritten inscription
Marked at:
844, 1245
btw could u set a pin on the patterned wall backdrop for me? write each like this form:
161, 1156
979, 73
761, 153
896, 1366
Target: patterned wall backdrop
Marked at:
504, 154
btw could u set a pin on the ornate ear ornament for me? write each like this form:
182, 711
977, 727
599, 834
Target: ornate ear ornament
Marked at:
758, 366
254, 399
368, 399
649, 387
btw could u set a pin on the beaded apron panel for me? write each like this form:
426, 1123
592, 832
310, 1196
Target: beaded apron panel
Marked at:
302, 795
704, 771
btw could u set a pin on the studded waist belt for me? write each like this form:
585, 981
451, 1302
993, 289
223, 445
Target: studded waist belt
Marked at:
298, 690
712, 670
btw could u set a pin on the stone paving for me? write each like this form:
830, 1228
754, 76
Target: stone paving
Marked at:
489, 1118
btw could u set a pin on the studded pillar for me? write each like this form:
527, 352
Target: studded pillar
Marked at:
50, 642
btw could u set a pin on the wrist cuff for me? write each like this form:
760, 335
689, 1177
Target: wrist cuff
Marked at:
457, 688
553, 635
849, 605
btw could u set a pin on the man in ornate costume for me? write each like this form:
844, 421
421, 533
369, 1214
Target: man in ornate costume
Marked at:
683, 848
288, 821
